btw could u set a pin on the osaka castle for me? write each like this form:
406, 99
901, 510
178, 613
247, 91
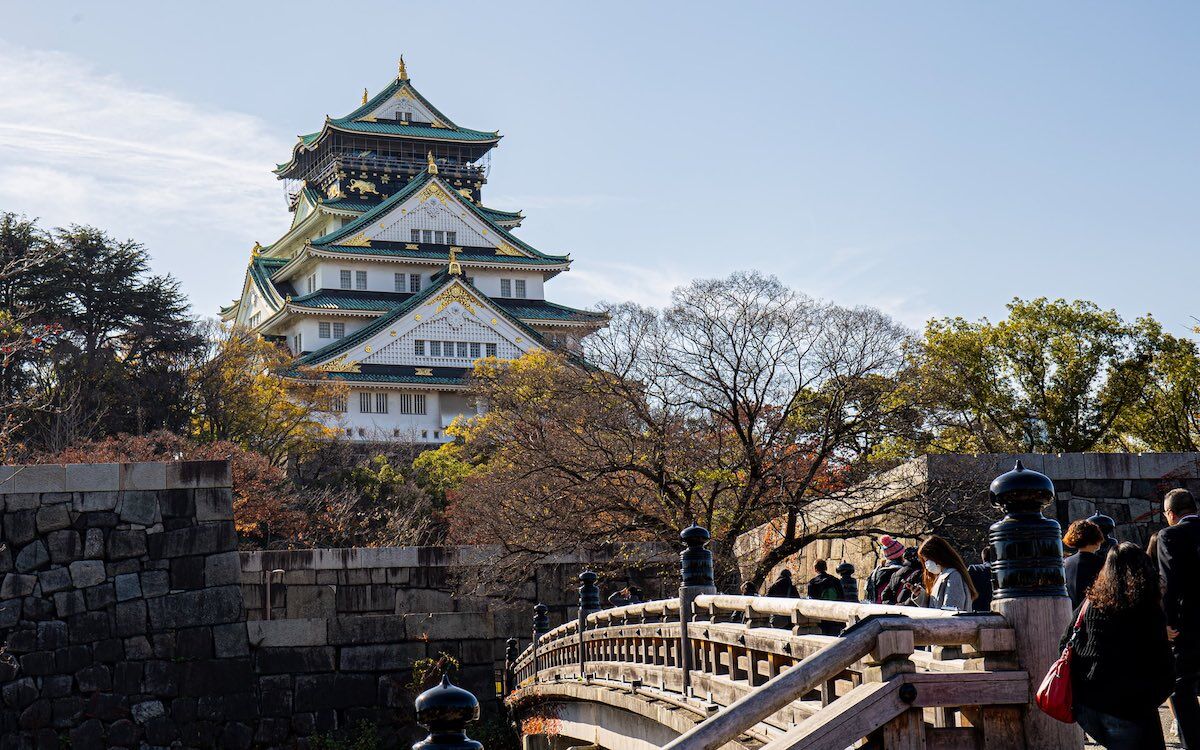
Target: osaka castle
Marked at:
395, 276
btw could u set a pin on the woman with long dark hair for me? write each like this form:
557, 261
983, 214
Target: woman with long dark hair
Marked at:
1121, 668
947, 584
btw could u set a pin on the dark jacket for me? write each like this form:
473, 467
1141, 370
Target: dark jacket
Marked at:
849, 589
825, 586
878, 580
783, 587
1081, 569
1121, 664
981, 577
1179, 565
896, 593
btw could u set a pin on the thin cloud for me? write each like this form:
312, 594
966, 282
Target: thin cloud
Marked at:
192, 183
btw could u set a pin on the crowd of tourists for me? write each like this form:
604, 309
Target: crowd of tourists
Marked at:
1135, 627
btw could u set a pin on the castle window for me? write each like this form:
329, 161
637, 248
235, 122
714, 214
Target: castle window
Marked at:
344, 277
360, 279
462, 350
448, 348
312, 283
427, 236
419, 348
403, 115
373, 403
339, 330
505, 287
297, 343
474, 350
520, 288
338, 404
399, 281
490, 349
414, 282
414, 235
322, 330
435, 348
411, 403
439, 237
424, 434
451, 238
254, 319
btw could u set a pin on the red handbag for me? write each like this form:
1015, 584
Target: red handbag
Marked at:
1054, 694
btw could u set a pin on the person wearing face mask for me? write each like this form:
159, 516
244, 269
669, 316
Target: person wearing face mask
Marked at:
947, 584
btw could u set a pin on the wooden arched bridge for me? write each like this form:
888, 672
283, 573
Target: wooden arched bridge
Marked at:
706, 671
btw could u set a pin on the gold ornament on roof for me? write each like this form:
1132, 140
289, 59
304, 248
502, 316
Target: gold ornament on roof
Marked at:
401, 71
424, 372
454, 294
433, 190
358, 240
338, 365
364, 96
454, 269
256, 250
503, 248
363, 188
432, 169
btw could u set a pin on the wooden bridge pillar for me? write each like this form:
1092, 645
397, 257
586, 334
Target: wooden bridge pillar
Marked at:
1030, 591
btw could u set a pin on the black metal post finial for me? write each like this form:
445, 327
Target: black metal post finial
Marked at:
510, 650
541, 620
1027, 545
444, 710
589, 593
695, 562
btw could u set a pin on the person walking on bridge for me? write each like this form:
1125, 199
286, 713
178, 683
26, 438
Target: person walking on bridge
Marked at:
946, 582
1121, 662
782, 587
893, 558
1179, 566
1082, 567
845, 573
825, 587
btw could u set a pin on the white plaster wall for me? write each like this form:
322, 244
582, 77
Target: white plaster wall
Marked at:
428, 427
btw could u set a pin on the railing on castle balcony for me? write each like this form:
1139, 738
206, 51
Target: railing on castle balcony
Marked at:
754, 672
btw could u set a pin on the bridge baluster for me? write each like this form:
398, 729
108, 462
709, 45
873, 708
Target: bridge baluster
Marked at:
541, 626
696, 573
589, 602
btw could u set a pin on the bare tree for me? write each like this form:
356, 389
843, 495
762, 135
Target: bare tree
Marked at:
742, 402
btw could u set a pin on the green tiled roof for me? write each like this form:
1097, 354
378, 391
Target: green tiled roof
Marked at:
349, 204
383, 321
540, 309
261, 269
400, 195
496, 214
331, 299
397, 250
397, 374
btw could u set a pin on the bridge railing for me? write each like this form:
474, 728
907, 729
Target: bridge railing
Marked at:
748, 672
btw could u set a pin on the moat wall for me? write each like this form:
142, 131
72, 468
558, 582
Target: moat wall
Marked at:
131, 619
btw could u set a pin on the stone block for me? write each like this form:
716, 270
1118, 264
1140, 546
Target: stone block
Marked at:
17, 585
124, 543
413, 601
57, 686
129, 618
32, 557
55, 579
10, 613
128, 586
88, 735
215, 606
139, 507
196, 474
308, 601
1079, 507
215, 677
161, 679
298, 577
449, 626
40, 478
362, 629
177, 503
95, 501
478, 652
1160, 466
295, 660
1095, 488
214, 504
86, 573
382, 657
205, 539
101, 520
93, 477
236, 736
333, 691
155, 583
366, 599
230, 640
143, 476
71, 659
37, 664
88, 627
36, 608
52, 518
67, 603
194, 643
22, 501
187, 572
222, 569
282, 633
65, 546
20, 526
94, 678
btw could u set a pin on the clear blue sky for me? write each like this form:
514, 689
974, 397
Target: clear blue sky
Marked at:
928, 158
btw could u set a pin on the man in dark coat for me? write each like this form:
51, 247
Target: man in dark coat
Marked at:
1108, 527
1179, 564
782, 587
829, 588
896, 592
845, 573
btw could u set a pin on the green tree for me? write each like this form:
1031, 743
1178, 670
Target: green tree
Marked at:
1055, 376
1166, 414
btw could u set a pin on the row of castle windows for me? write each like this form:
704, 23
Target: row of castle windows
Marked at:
453, 349
380, 402
433, 237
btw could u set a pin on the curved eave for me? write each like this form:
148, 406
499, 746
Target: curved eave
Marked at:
313, 141
400, 256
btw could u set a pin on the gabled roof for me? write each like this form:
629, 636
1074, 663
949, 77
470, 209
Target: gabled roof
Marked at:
261, 268
440, 282
415, 184
359, 121
524, 309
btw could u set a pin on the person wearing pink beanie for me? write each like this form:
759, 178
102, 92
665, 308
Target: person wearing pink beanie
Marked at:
893, 558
